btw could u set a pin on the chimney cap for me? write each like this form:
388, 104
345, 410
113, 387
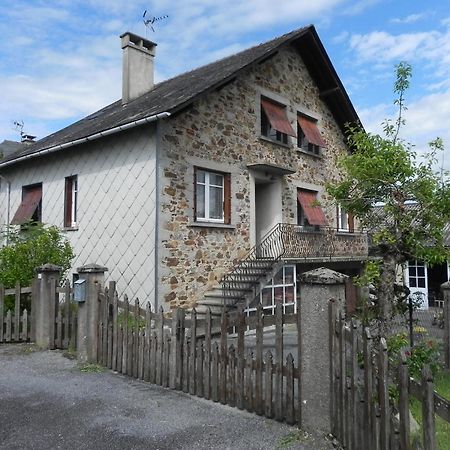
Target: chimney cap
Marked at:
137, 41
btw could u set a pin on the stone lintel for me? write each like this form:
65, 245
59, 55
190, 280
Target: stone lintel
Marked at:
322, 275
48, 268
92, 268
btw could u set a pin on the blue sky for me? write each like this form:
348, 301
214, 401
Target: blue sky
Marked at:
61, 59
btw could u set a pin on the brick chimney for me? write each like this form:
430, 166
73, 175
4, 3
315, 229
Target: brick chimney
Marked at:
137, 66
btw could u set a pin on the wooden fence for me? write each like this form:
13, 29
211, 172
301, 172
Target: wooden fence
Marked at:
184, 353
16, 324
362, 414
65, 326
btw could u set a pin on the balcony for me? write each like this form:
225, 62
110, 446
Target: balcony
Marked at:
300, 243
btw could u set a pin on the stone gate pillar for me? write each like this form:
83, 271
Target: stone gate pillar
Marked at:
317, 287
46, 305
88, 313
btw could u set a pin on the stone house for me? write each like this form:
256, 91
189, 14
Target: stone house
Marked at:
205, 188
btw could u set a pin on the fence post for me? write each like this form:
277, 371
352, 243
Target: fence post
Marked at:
318, 286
45, 314
445, 288
88, 313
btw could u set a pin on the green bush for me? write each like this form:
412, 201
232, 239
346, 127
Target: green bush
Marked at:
29, 247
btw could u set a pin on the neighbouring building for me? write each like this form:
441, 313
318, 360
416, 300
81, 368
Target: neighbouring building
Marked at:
207, 188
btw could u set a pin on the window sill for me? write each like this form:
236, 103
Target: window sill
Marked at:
224, 226
272, 141
305, 152
70, 229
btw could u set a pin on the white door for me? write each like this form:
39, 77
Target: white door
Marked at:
416, 280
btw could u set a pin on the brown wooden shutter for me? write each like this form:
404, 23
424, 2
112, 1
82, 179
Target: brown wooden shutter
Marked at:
195, 194
31, 197
227, 198
68, 202
351, 223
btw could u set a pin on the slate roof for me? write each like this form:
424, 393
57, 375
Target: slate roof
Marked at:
7, 148
176, 93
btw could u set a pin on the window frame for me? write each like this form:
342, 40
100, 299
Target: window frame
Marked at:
70, 201
303, 142
226, 196
270, 133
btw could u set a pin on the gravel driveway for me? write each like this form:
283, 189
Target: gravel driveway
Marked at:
47, 402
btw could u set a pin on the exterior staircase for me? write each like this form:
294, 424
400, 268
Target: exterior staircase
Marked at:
246, 279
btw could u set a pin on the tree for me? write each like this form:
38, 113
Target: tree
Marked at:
398, 197
29, 248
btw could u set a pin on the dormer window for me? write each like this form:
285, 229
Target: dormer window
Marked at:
309, 137
275, 124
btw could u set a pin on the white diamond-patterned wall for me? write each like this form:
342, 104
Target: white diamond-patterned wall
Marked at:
116, 204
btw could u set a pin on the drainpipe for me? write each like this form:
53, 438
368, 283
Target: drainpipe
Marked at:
8, 193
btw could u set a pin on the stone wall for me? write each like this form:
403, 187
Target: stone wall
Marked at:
221, 132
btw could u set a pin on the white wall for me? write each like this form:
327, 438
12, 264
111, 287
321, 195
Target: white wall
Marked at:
116, 204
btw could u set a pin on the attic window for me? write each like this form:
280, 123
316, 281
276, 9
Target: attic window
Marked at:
31, 207
274, 122
310, 213
309, 137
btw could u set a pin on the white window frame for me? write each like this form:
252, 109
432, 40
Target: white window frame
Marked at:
207, 205
342, 215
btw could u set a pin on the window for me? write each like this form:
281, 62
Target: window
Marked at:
274, 122
308, 136
70, 201
345, 221
212, 196
31, 207
309, 212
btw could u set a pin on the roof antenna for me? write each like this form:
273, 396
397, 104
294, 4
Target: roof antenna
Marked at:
18, 126
149, 22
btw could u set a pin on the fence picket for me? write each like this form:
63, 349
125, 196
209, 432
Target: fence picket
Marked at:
290, 412
259, 356
404, 403
193, 352
8, 326
119, 348
269, 385
109, 345
215, 372
240, 358
59, 325
2, 309
67, 313
368, 388
153, 345
279, 361
207, 351
199, 374
249, 382
223, 357
148, 330
383, 394
353, 383
136, 334
165, 359
342, 380
231, 392
125, 335
185, 375
160, 346
24, 335
429, 425
115, 322
17, 313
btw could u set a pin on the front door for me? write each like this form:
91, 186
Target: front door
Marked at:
416, 280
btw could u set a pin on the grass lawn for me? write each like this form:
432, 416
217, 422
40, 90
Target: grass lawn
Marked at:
442, 387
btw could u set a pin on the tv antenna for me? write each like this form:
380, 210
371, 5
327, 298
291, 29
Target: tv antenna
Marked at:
150, 21
18, 126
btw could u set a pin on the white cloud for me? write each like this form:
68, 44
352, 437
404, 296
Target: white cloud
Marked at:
359, 6
412, 18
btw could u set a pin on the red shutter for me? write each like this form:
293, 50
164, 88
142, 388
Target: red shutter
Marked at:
68, 202
277, 117
313, 212
227, 198
312, 133
31, 199
351, 223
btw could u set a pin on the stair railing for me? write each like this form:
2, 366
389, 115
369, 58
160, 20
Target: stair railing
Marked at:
270, 249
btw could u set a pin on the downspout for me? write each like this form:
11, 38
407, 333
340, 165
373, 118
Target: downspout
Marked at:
8, 194
157, 214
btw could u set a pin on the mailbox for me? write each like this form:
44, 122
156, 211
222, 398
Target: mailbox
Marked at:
79, 291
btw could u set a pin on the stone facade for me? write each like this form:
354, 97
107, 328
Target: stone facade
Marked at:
221, 132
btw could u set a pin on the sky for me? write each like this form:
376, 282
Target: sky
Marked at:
61, 60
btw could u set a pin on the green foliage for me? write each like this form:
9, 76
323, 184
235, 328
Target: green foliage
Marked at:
31, 247
426, 352
371, 274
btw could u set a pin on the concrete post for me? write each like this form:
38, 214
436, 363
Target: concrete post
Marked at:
317, 287
88, 313
445, 288
46, 306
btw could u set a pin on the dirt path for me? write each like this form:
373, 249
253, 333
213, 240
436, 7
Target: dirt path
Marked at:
47, 402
